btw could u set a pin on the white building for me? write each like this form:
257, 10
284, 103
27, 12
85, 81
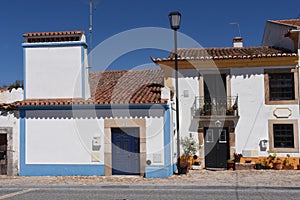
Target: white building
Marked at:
237, 100
73, 122
9, 132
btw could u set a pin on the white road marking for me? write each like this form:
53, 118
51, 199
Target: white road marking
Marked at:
16, 193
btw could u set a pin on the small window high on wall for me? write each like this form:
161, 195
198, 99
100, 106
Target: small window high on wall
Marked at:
281, 86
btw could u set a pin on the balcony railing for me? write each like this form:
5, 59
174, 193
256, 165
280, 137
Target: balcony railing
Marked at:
218, 106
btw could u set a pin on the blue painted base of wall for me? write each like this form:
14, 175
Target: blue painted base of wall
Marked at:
61, 170
158, 171
174, 168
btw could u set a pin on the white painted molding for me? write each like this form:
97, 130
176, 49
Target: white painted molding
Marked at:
282, 112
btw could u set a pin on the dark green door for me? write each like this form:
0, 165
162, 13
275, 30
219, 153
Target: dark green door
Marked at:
216, 147
125, 151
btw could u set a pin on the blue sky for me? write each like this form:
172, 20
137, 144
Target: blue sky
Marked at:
207, 22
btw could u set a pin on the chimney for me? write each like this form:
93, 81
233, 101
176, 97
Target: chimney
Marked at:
237, 42
55, 65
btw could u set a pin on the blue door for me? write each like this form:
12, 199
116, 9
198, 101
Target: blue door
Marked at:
125, 151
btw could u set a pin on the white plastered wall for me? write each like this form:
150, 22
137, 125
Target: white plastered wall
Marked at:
188, 90
62, 140
155, 140
254, 114
274, 35
53, 72
8, 96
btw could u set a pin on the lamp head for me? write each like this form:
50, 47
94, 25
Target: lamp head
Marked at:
174, 18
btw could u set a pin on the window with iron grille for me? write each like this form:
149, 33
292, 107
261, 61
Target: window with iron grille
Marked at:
283, 135
281, 86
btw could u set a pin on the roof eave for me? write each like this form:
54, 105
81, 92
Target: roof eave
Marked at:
231, 63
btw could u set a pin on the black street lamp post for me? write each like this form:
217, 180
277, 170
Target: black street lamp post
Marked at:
175, 18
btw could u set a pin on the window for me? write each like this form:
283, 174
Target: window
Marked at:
210, 136
283, 136
281, 86
222, 138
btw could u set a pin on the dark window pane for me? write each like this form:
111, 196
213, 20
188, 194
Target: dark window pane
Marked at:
222, 138
281, 86
283, 135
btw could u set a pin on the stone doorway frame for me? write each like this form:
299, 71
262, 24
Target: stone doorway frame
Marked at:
123, 123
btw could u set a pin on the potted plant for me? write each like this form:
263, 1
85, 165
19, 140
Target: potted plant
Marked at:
286, 163
230, 164
277, 164
229, 111
237, 157
258, 165
265, 164
190, 148
184, 165
274, 161
235, 107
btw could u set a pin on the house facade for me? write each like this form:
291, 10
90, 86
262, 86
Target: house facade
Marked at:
76, 122
9, 132
237, 100
70, 121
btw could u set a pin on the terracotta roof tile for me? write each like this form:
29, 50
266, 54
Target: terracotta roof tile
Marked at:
226, 53
134, 86
59, 33
112, 87
53, 36
290, 22
52, 102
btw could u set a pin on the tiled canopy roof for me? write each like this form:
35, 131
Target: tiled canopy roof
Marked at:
227, 53
53, 36
60, 33
113, 87
290, 22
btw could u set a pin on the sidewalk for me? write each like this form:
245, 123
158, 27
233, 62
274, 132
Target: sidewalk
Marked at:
257, 178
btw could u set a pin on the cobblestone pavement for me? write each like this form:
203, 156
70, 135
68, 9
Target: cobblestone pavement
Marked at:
263, 178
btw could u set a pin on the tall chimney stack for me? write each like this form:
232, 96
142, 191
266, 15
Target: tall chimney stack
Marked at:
237, 42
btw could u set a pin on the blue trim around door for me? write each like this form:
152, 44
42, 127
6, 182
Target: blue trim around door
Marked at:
166, 170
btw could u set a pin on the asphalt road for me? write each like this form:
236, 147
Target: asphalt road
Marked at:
145, 192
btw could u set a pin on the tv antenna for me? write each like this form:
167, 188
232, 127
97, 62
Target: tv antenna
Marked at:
91, 26
238, 27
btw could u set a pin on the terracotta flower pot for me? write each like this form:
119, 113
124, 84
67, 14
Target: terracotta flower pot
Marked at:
288, 167
277, 166
230, 165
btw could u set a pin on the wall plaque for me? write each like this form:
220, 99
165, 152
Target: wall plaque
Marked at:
282, 112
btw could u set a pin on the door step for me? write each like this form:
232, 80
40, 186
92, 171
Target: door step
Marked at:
215, 169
